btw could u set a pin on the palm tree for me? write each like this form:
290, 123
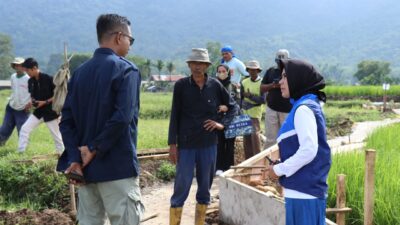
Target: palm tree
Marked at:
147, 68
170, 68
160, 66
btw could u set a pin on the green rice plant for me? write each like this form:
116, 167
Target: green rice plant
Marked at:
387, 183
155, 105
354, 103
361, 91
153, 134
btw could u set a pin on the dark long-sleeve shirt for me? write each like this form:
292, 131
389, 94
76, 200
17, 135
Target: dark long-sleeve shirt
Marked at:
192, 106
101, 110
42, 89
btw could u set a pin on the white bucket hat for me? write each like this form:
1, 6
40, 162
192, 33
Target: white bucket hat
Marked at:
199, 55
17, 61
253, 64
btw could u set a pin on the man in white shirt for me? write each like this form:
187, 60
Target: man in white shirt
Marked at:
236, 67
17, 109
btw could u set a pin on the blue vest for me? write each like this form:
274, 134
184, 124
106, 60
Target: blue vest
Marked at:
311, 178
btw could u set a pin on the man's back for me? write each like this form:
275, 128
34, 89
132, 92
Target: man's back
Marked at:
103, 105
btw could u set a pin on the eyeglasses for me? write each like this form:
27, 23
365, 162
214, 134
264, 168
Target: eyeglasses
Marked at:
131, 39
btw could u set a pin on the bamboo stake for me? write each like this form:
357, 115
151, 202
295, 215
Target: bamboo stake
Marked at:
370, 156
341, 198
71, 186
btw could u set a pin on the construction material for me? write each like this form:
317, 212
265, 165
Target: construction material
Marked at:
153, 157
149, 217
252, 199
248, 167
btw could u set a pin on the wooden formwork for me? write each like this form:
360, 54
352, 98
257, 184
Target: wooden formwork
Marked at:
242, 203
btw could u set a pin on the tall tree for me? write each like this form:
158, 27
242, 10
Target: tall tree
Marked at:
214, 51
142, 63
170, 67
77, 60
6, 56
147, 67
333, 73
55, 62
159, 66
373, 72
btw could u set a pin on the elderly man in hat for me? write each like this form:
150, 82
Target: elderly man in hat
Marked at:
277, 107
252, 105
17, 109
192, 134
236, 67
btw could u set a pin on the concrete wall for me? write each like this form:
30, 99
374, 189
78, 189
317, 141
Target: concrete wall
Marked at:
243, 205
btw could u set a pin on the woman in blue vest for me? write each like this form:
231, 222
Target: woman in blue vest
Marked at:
304, 151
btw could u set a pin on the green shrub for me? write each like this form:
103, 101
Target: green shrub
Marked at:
166, 171
37, 183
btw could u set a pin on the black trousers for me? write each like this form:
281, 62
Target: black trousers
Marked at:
225, 152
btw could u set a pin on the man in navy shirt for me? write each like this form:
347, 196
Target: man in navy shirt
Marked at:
99, 129
192, 137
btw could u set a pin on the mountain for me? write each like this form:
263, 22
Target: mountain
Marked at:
322, 31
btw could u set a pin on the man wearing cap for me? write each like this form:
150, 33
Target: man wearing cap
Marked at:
193, 133
17, 109
41, 89
252, 105
277, 107
236, 67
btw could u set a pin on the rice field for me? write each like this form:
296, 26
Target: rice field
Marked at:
386, 142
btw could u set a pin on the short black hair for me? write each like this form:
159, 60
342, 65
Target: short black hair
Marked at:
29, 63
108, 23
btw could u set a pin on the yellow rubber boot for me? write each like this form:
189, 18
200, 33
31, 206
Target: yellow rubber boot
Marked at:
200, 215
175, 215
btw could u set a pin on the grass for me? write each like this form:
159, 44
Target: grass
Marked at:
361, 91
387, 183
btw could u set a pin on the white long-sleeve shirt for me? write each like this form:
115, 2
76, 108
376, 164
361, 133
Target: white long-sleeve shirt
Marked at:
306, 128
19, 92
238, 68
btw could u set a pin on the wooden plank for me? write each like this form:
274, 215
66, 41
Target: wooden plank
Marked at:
243, 175
248, 167
341, 210
370, 156
153, 151
160, 156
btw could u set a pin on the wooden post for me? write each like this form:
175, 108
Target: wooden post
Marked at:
341, 198
72, 195
384, 101
71, 186
370, 156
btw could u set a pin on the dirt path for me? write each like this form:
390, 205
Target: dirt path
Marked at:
156, 200
359, 134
